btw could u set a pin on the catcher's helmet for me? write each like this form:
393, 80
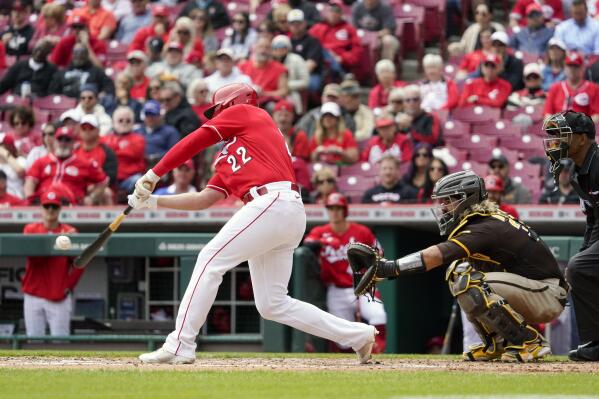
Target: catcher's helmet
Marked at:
455, 193
337, 199
229, 95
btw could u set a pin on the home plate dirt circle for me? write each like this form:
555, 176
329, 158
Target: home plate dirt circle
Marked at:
297, 364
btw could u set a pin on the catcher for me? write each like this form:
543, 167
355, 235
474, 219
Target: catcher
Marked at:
502, 274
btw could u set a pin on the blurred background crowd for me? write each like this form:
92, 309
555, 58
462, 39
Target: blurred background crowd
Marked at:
377, 99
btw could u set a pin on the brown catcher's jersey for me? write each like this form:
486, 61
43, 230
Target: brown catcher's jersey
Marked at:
497, 242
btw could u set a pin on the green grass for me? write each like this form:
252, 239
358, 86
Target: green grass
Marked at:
165, 383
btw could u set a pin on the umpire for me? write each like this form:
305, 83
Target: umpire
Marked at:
572, 135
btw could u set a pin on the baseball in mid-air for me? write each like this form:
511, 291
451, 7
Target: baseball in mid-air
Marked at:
63, 242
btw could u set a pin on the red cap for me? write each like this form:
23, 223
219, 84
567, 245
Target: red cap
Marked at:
7, 140
492, 58
574, 58
64, 132
533, 7
78, 19
336, 199
188, 163
384, 122
284, 105
160, 11
494, 183
175, 45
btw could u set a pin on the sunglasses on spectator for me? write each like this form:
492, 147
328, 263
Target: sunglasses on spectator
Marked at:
86, 97
48, 134
239, 21
154, 87
203, 91
397, 101
532, 76
497, 166
200, 18
124, 121
422, 154
20, 123
64, 139
53, 207
166, 99
183, 32
412, 100
435, 169
329, 180
134, 61
489, 65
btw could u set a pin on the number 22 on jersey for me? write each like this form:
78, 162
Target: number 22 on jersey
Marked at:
233, 160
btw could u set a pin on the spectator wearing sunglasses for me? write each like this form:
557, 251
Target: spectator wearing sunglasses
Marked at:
48, 132
324, 182
129, 148
490, 89
49, 280
333, 143
436, 170
533, 93
513, 192
184, 32
391, 189
416, 177
159, 137
82, 177
88, 104
534, 37
22, 121
177, 111
419, 125
387, 141
137, 63
214, 9
198, 96
242, 38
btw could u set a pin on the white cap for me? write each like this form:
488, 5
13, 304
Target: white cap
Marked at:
501, 37
330, 108
225, 51
281, 41
90, 119
554, 41
137, 55
295, 15
70, 114
531, 68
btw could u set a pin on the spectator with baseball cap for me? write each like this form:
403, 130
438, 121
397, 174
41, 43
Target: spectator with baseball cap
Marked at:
182, 180
495, 189
226, 71
581, 32
6, 199
78, 33
386, 76
533, 93
298, 77
554, 69
575, 93
139, 17
159, 137
390, 190
534, 37
88, 104
510, 67
84, 178
49, 281
330, 93
307, 46
513, 192
350, 102
198, 95
552, 11
137, 63
297, 140
158, 28
19, 32
388, 140
48, 132
437, 91
310, 12
91, 148
30, 77
333, 142
174, 66
564, 192
215, 10
177, 111
377, 16
11, 165
490, 89
101, 22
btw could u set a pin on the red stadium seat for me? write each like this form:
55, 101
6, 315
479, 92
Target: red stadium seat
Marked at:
8, 100
528, 145
479, 168
523, 168
413, 19
364, 169
502, 128
475, 141
316, 166
434, 21
527, 58
54, 102
535, 112
355, 186
456, 129
116, 52
477, 114
483, 155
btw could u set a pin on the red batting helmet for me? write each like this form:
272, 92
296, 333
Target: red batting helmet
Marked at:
337, 199
229, 95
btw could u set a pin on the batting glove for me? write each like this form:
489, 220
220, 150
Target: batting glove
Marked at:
136, 203
146, 184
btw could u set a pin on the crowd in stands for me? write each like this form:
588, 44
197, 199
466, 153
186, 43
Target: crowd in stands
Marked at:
95, 92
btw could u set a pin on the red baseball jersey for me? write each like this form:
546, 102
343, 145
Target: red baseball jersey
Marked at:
129, 150
49, 277
8, 200
562, 97
254, 151
493, 93
400, 148
74, 172
334, 267
347, 141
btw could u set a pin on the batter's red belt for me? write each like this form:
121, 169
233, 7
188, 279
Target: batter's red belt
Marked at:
264, 190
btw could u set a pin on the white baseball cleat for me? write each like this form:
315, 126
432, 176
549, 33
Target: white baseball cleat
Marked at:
164, 357
365, 352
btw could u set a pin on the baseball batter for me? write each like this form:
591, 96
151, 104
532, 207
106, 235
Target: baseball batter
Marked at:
254, 165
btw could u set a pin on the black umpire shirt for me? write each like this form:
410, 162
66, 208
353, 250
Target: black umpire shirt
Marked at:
585, 181
497, 242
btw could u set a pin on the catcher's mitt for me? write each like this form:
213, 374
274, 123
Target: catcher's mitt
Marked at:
364, 262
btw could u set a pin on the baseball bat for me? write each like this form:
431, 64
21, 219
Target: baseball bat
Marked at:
455, 309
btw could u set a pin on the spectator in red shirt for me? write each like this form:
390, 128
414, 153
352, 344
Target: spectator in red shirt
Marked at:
49, 280
22, 120
494, 186
137, 62
51, 24
159, 28
552, 11
78, 33
489, 89
339, 38
388, 141
7, 200
533, 93
437, 91
198, 95
297, 140
333, 142
102, 23
386, 76
471, 61
82, 177
269, 77
129, 148
183, 32
575, 93
420, 125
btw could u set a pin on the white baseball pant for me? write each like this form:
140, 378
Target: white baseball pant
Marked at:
39, 311
264, 232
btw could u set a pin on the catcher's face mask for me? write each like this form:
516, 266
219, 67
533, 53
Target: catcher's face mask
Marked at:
558, 144
445, 211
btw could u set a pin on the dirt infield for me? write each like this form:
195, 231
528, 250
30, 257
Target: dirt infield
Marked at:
296, 364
